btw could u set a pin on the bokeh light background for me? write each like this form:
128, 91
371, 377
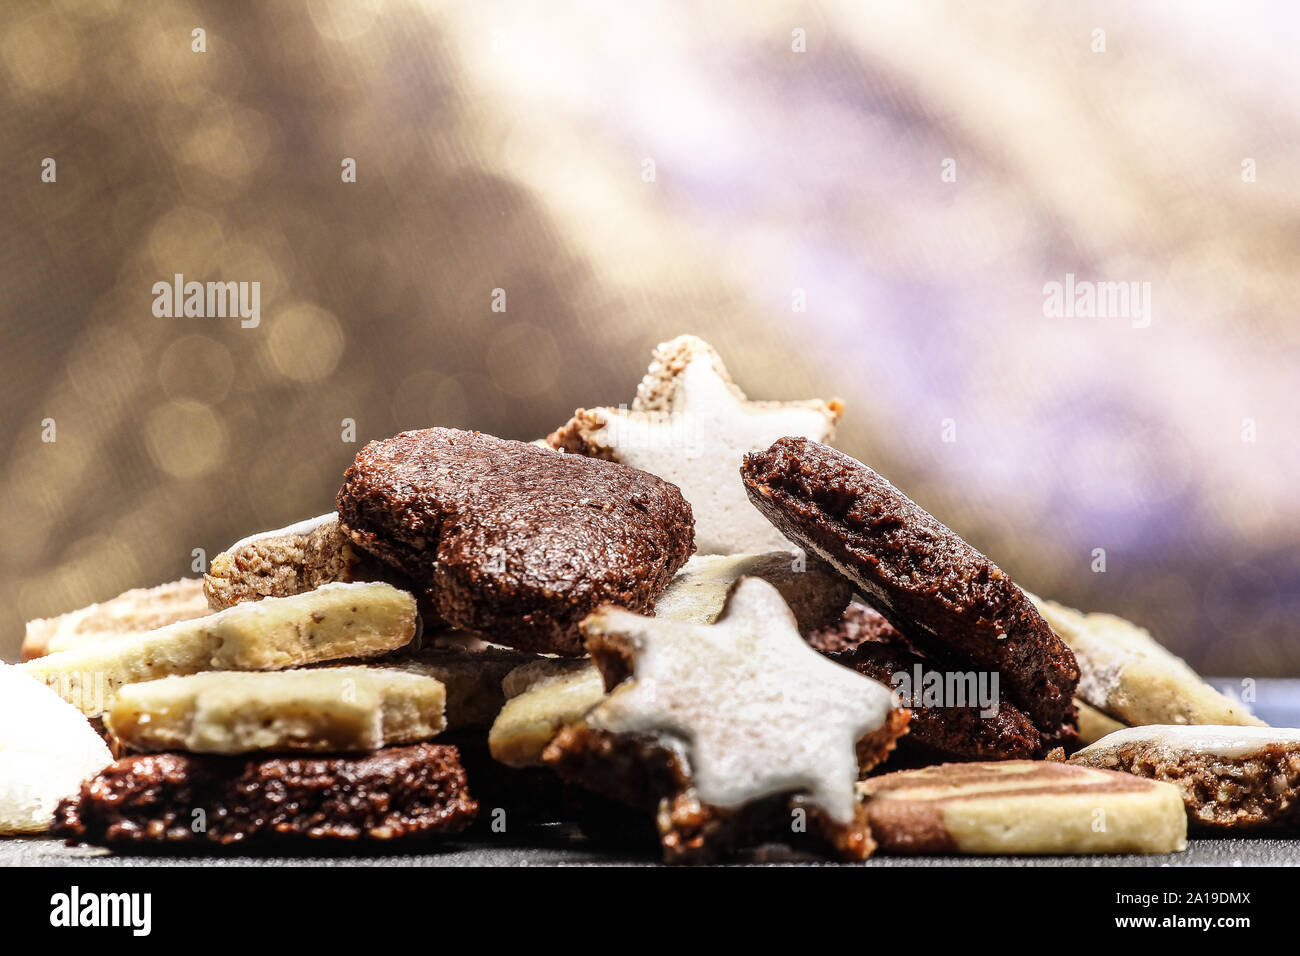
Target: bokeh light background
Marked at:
503, 146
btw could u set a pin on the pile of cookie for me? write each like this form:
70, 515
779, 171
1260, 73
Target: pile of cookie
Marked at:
688, 620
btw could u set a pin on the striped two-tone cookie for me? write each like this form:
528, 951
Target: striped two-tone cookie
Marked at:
1022, 807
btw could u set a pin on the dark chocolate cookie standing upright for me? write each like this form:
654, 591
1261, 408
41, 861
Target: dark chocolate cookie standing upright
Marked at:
512, 541
947, 598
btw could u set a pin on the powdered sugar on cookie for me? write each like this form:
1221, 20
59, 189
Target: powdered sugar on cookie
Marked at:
691, 425
759, 711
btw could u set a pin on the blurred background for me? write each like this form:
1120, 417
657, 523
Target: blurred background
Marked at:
917, 172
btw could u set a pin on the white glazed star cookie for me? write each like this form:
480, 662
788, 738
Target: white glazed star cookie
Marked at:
759, 710
691, 425
747, 713
545, 695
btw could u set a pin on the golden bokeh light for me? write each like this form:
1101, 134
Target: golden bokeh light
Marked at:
627, 175
304, 342
186, 440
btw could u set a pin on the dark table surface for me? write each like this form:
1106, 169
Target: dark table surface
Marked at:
561, 848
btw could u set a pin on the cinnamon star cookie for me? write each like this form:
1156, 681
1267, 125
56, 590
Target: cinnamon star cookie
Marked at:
728, 728
690, 424
546, 694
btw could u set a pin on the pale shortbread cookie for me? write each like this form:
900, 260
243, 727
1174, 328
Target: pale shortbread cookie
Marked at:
318, 711
1230, 776
1093, 724
692, 425
47, 749
542, 698
281, 563
815, 592
332, 622
1127, 675
132, 612
545, 695
1022, 807
756, 710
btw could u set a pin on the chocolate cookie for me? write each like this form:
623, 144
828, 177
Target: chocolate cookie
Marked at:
638, 771
175, 798
514, 541
950, 721
946, 597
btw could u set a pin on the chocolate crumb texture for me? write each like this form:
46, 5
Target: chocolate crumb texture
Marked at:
938, 732
948, 599
513, 541
176, 798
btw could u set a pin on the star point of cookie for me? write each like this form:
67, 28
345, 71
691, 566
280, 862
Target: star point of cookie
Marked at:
691, 425
758, 711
